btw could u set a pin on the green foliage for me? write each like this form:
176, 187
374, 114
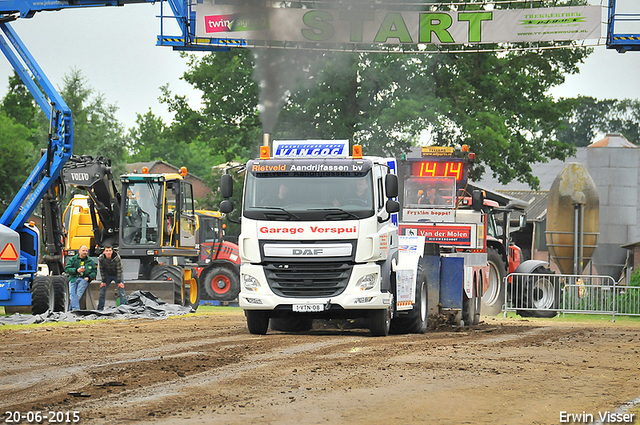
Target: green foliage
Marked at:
589, 117
498, 105
227, 125
96, 131
628, 300
19, 103
17, 154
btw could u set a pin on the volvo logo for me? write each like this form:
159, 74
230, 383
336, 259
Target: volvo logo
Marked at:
317, 251
80, 176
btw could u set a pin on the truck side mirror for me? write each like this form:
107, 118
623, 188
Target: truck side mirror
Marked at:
477, 200
392, 206
226, 206
226, 186
391, 185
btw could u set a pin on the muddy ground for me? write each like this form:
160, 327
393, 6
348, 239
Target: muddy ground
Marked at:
207, 369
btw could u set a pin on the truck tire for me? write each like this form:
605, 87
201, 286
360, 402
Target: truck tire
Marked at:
380, 322
257, 321
540, 292
417, 320
221, 283
42, 295
291, 324
493, 297
192, 293
471, 307
170, 273
60, 287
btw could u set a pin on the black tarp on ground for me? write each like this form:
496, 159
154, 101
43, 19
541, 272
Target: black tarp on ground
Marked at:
140, 305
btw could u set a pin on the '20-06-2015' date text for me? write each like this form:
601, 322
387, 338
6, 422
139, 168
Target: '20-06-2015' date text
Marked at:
51, 417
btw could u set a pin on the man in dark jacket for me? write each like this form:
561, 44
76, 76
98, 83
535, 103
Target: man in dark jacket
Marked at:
111, 271
81, 270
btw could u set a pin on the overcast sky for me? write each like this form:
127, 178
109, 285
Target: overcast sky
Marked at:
116, 52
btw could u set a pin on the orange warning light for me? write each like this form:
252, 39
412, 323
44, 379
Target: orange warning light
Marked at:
183, 171
357, 151
9, 253
264, 152
145, 170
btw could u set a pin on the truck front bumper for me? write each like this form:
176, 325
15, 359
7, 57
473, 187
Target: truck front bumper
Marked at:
258, 295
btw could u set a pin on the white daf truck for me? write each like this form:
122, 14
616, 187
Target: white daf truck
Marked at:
319, 239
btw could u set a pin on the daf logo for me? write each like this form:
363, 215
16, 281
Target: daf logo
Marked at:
317, 251
80, 176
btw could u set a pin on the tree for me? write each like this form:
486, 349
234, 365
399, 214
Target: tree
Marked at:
19, 104
96, 131
228, 124
497, 103
589, 118
16, 158
499, 106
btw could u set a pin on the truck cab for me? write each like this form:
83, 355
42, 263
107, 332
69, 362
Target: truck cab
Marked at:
317, 237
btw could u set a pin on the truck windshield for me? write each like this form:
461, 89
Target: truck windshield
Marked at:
308, 198
430, 192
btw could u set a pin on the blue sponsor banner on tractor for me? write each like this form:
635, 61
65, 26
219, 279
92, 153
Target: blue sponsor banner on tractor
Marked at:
310, 148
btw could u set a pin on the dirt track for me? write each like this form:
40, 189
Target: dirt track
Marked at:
209, 369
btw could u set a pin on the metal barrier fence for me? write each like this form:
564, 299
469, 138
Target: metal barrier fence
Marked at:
546, 294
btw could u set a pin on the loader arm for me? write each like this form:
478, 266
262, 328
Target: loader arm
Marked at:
95, 177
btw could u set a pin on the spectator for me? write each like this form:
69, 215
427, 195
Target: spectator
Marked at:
81, 270
111, 271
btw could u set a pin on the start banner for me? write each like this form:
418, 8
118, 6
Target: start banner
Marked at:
370, 26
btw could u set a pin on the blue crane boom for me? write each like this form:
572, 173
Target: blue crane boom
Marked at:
60, 143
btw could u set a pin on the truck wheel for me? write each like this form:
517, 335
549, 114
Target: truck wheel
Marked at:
493, 296
291, 324
417, 320
192, 293
471, 307
540, 292
221, 283
257, 321
60, 287
173, 274
380, 322
42, 295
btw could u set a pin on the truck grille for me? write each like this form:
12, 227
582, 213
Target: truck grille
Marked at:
308, 279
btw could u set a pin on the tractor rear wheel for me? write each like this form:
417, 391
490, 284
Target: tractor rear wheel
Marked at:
542, 293
221, 283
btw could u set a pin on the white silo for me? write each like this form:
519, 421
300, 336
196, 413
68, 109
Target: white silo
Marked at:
613, 164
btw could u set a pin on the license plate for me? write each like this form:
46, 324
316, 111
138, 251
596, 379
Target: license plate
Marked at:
308, 308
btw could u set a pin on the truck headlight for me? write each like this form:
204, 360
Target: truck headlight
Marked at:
250, 283
367, 282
